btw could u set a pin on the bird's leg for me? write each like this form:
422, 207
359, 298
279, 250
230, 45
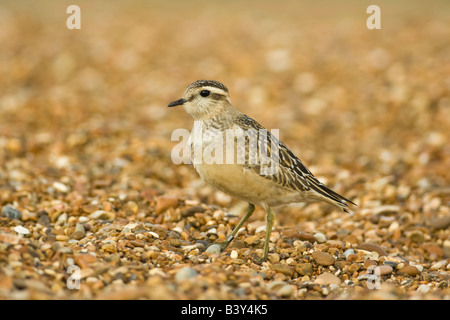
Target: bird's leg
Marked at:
250, 210
270, 219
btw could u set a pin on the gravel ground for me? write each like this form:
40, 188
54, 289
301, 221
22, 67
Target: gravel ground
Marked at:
93, 207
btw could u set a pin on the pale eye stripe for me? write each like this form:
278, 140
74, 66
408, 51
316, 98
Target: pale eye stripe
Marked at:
214, 90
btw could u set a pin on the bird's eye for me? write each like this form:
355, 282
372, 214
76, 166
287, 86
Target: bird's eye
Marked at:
205, 93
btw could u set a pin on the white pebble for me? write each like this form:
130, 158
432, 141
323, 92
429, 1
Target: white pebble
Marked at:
214, 248
153, 234
61, 187
21, 230
438, 265
348, 252
260, 229
423, 288
320, 237
234, 254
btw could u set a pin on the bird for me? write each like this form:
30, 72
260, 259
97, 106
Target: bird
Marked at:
248, 174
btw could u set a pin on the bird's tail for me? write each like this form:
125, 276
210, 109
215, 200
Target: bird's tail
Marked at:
328, 195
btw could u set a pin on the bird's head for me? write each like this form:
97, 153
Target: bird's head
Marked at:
204, 99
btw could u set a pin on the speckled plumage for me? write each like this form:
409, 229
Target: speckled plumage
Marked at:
208, 102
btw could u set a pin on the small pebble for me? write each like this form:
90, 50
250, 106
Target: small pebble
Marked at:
304, 269
11, 213
214, 248
79, 232
165, 202
320, 237
385, 270
438, 265
348, 252
410, 270
323, 258
372, 247
327, 278
283, 268
102, 215
185, 273
21, 230
423, 289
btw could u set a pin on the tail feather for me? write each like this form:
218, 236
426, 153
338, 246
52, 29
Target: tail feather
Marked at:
329, 195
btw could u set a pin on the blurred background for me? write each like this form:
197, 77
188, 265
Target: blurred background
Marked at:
354, 104
84, 117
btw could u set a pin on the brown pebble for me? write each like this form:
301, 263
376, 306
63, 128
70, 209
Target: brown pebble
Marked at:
165, 202
327, 278
373, 247
323, 258
251, 240
410, 271
282, 268
304, 269
435, 251
351, 239
83, 260
440, 222
385, 270
306, 237
368, 263
354, 267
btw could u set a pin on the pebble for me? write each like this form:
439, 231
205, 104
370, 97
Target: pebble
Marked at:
281, 288
185, 273
440, 222
385, 270
423, 289
446, 249
251, 239
416, 236
320, 237
61, 187
393, 264
283, 268
304, 269
165, 202
372, 247
102, 215
260, 229
154, 234
62, 220
79, 232
214, 248
410, 270
438, 265
348, 252
11, 213
61, 237
323, 258
352, 239
84, 260
285, 291
354, 267
386, 209
21, 230
327, 278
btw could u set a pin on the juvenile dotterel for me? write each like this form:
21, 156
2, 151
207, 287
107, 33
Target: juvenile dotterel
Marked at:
245, 174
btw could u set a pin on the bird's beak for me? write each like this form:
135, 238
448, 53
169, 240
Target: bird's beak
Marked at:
177, 102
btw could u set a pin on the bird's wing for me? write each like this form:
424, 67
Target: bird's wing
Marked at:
274, 161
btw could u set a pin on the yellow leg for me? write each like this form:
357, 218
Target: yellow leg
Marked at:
270, 219
250, 210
